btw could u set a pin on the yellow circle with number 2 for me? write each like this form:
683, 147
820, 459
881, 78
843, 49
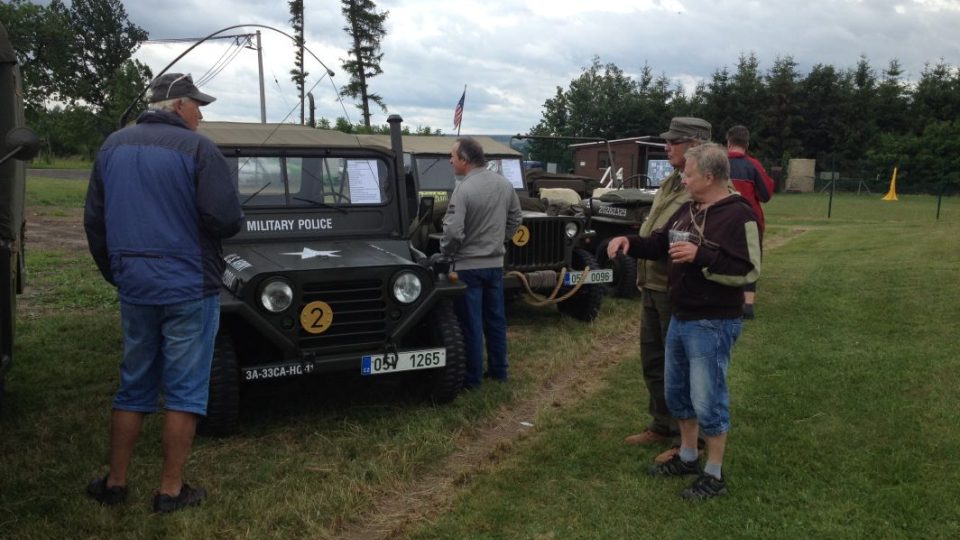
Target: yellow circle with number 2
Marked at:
521, 237
316, 317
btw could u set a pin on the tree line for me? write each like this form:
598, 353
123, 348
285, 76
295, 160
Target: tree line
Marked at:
858, 121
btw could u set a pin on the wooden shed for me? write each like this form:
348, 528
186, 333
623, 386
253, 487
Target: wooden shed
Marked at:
635, 155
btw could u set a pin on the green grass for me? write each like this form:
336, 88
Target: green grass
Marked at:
53, 192
70, 162
844, 393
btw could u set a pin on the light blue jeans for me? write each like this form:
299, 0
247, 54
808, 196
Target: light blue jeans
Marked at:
698, 354
168, 346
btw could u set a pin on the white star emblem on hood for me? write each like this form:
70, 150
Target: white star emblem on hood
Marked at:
308, 253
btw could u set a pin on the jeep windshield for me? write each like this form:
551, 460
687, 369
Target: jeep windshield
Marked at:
298, 182
436, 173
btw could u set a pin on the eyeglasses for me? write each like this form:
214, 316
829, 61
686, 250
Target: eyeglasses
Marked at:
186, 76
677, 142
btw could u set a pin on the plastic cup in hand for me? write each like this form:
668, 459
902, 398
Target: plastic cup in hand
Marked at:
678, 236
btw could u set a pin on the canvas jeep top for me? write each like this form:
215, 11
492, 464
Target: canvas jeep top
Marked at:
322, 278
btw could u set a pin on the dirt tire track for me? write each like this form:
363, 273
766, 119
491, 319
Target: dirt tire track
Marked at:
483, 449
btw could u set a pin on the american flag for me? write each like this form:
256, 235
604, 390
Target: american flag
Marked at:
458, 111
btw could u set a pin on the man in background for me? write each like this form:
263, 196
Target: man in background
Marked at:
755, 185
684, 133
160, 200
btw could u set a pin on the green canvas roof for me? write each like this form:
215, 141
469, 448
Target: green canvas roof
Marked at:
285, 135
441, 144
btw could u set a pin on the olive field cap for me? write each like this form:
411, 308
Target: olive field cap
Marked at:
687, 127
176, 85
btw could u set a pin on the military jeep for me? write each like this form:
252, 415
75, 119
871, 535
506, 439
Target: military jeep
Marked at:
17, 144
323, 278
545, 244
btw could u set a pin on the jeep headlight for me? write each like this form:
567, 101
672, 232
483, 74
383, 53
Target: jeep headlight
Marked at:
571, 229
407, 288
276, 295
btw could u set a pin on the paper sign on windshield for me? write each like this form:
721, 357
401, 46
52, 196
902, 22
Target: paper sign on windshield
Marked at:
511, 171
364, 181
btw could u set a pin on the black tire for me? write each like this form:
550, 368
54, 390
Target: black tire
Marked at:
585, 305
223, 405
624, 277
442, 328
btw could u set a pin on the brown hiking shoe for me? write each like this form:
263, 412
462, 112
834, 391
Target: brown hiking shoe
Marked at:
647, 438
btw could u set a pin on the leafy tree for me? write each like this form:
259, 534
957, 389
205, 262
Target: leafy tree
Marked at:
780, 132
41, 45
365, 27
77, 58
344, 125
555, 123
937, 97
892, 102
746, 84
826, 98
103, 42
297, 74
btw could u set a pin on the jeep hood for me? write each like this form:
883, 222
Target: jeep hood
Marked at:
250, 260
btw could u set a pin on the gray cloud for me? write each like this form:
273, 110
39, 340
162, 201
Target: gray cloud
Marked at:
512, 55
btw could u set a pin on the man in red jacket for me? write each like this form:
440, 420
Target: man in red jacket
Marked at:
754, 184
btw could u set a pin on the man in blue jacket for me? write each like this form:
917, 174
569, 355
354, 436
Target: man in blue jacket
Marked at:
160, 200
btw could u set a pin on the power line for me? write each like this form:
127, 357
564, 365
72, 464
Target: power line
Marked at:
187, 40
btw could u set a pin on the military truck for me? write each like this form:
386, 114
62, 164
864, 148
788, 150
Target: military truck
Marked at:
545, 246
18, 144
323, 278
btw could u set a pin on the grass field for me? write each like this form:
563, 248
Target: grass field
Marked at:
843, 394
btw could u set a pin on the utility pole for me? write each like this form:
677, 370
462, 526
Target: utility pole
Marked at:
263, 100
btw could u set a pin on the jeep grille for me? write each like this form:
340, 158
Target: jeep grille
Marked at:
544, 250
359, 313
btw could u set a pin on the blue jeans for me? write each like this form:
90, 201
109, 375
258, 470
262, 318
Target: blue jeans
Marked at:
170, 346
698, 353
482, 314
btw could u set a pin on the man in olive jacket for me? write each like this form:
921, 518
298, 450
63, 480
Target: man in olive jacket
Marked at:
684, 133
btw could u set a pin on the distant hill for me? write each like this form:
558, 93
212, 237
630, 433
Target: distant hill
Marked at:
518, 145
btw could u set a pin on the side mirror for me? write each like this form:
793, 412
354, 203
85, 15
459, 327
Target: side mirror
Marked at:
21, 143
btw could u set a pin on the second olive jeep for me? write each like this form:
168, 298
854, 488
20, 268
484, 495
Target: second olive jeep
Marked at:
323, 278
544, 248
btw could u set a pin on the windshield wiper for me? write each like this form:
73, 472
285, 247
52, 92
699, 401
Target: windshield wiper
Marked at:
255, 193
321, 204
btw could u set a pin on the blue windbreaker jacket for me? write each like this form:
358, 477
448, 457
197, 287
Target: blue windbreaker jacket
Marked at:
160, 200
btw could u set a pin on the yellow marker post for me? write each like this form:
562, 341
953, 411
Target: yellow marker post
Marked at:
892, 192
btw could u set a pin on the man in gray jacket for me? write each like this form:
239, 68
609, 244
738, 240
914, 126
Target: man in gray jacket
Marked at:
484, 212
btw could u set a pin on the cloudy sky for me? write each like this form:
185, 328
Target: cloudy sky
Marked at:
511, 55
